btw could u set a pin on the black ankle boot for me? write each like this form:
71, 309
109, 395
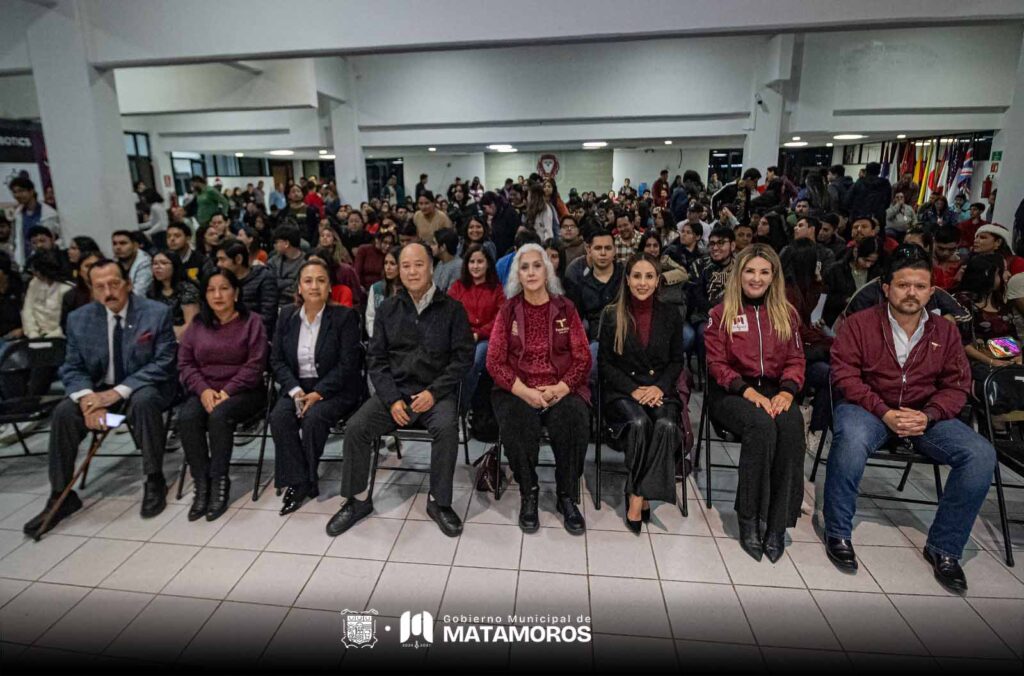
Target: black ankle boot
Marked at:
201, 498
220, 497
774, 544
529, 522
750, 538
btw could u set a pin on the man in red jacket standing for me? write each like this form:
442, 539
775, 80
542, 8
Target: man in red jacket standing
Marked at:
901, 373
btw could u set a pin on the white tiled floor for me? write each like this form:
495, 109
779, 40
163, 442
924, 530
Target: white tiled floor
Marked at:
255, 588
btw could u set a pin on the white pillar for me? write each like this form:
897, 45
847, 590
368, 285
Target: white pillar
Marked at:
761, 147
82, 127
349, 162
1010, 139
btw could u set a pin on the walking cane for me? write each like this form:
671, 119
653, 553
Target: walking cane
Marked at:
97, 441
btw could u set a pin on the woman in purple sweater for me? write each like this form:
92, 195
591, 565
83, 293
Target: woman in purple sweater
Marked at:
222, 356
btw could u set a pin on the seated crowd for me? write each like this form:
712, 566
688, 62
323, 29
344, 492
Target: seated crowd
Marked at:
534, 310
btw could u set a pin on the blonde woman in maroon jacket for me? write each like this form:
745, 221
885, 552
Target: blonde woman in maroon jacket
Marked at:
756, 367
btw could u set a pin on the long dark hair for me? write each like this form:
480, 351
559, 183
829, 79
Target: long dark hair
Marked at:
980, 273
624, 322
803, 263
467, 279
86, 245
206, 317
155, 290
391, 286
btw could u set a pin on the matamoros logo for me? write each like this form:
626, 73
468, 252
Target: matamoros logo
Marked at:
417, 630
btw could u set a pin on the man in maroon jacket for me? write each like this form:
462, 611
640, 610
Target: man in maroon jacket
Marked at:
901, 373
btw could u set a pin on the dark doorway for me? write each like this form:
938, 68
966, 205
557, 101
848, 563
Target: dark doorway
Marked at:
378, 172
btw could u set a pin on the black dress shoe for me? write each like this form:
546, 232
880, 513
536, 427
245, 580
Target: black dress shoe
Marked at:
840, 553
155, 497
445, 517
774, 545
750, 538
528, 520
220, 497
947, 571
571, 517
350, 513
201, 500
71, 504
294, 497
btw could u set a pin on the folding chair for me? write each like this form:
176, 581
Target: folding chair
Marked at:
1008, 442
416, 433
896, 450
18, 360
603, 429
704, 428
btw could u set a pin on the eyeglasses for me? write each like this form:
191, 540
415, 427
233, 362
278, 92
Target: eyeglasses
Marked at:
717, 243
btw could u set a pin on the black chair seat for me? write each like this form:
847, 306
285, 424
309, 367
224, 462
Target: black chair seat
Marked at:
28, 409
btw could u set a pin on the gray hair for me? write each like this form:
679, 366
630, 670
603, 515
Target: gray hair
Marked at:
513, 287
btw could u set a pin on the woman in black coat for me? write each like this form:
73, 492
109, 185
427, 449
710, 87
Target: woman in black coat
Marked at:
315, 359
640, 358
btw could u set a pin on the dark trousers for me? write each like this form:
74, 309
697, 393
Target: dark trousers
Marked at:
145, 418
208, 438
299, 443
568, 425
373, 419
771, 457
649, 438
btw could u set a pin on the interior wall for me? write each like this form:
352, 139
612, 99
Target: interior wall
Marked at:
580, 169
644, 165
441, 170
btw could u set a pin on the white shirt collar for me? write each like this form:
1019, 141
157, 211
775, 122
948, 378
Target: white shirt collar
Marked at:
305, 318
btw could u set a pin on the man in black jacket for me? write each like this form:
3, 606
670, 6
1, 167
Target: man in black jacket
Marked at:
597, 287
259, 290
871, 194
420, 351
707, 280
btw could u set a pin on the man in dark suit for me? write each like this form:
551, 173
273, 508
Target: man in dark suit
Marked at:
421, 349
120, 357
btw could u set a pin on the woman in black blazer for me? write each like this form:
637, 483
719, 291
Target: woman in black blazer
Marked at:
640, 357
315, 359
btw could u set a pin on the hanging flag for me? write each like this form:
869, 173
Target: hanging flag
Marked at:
934, 179
963, 179
884, 157
909, 159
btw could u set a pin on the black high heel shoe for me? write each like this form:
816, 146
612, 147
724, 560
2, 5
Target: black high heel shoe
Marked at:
750, 538
635, 526
645, 514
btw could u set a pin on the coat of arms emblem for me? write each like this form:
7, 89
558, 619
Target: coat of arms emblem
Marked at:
359, 629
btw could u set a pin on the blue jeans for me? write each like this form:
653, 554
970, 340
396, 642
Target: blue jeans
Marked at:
689, 335
970, 457
472, 378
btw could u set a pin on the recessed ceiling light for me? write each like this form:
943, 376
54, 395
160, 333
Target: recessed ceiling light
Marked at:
509, 149
718, 154
239, 154
796, 138
499, 146
398, 161
432, 149
281, 153
595, 144
795, 144
828, 145
322, 151
901, 136
848, 137
327, 157
668, 142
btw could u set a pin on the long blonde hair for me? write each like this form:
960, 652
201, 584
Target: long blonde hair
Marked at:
780, 312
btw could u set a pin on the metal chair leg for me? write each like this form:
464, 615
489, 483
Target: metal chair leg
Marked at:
465, 437
817, 455
259, 462
376, 463
21, 438
938, 483
1004, 522
906, 475
706, 432
181, 478
498, 490
597, 463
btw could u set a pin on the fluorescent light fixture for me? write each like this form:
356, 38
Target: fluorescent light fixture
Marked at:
796, 138
919, 143
595, 144
828, 145
795, 144
432, 149
281, 153
510, 149
901, 136
239, 154
668, 142
718, 154
398, 161
322, 151
327, 157
499, 146
848, 137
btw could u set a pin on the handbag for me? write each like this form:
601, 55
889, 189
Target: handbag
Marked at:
487, 469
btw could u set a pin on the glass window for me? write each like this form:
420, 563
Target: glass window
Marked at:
182, 167
142, 142
129, 145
